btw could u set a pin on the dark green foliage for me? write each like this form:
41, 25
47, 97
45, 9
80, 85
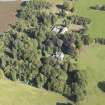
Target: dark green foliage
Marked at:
79, 20
20, 52
71, 44
13, 75
63, 103
1, 75
78, 85
68, 5
86, 39
100, 7
78, 42
101, 85
67, 91
100, 41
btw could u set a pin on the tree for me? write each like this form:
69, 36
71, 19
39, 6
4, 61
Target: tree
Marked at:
40, 80
78, 85
27, 49
68, 5
77, 92
101, 85
67, 91
86, 39
13, 75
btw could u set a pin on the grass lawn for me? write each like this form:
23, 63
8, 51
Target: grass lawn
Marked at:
7, 14
97, 27
15, 93
92, 59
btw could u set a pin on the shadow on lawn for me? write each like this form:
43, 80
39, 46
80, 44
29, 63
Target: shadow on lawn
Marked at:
101, 85
59, 6
63, 103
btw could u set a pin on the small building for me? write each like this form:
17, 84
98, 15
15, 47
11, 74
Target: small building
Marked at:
59, 56
76, 28
56, 29
64, 30
60, 29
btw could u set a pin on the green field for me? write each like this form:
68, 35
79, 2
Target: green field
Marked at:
92, 59
97, 27
15, 93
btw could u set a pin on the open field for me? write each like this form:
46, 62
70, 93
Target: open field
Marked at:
15, 93
7, 14
92, 59
97, 27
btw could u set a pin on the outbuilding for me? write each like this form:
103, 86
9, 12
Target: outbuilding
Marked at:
59, 55
60, 29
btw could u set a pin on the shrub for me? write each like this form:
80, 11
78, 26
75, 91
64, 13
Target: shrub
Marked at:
1, 74
101, 85
80, 20
13, 75
77, 82
77, 92
86, 39
100, 7
68, 5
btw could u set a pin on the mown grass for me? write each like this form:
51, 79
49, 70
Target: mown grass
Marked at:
96, 28
92, 59
15, 93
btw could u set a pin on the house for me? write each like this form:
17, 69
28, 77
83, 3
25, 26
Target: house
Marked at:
56, 29
64, 30
76, 28
60, 29
59, 55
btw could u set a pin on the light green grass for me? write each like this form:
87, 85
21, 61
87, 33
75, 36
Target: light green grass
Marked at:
15, 93
92, 59
97, 27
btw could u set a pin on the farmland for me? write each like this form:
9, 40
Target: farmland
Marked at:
7, 14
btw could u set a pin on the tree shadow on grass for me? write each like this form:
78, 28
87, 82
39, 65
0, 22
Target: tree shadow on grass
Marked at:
92, 7
59, 6
101, 85
58, 103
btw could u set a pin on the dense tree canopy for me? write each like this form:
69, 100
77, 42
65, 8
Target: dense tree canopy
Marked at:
29, 52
